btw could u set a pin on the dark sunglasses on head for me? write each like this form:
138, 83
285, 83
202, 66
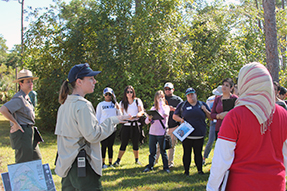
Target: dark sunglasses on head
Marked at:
167, 89
130, 92
108, 94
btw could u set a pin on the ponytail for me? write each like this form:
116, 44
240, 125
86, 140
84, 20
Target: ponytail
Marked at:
64, 91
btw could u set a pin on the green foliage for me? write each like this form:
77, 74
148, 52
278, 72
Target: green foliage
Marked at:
145, 45
7, 87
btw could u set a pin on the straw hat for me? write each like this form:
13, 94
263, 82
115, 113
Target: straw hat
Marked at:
25, 74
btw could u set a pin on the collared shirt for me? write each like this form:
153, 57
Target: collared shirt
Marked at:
21, 108
77, 128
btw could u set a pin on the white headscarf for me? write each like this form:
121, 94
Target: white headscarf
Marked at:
256, 92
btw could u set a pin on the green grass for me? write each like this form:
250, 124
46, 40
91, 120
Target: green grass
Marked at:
128, 176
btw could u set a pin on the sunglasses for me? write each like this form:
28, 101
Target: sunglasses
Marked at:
86, 65
130, 92
167, 89
108, 94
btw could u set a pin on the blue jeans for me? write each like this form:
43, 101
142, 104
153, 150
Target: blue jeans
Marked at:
211, 139
153, 140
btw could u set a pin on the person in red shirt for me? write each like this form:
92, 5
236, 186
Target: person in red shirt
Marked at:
251, 142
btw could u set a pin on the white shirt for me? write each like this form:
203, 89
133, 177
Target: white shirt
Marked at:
132, 109
105, 110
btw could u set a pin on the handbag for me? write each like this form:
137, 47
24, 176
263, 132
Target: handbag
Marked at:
167, 139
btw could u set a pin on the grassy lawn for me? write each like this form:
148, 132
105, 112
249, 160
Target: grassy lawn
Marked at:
128, 176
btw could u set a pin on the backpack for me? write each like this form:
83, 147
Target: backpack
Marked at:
142, 121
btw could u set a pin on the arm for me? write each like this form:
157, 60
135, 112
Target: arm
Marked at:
213, 110
207, 113
164, 110
177, 118
4, 110
221, 162
140, 108
98, 112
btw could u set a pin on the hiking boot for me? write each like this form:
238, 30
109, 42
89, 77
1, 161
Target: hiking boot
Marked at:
167, 170
147, 169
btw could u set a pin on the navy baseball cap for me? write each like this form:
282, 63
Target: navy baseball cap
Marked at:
81, 70
189, 91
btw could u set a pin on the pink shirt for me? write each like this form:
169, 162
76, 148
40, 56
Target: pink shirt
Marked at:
156, 128
258, 159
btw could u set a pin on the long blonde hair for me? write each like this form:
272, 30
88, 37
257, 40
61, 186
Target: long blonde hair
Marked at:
157, 94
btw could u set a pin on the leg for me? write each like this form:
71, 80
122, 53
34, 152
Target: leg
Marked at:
197, 150
174, 141
104, 144
186, 155
125, 136
135, 141
211, 139
110, 146
163, 152
152, 150
157, 153
23, 144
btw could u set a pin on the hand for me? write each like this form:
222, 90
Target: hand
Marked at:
150, 117
172, 108
15, 128
124, 118
203, 108
222, 115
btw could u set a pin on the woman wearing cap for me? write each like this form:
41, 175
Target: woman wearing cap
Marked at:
130, 105
211, 137
217, 109
194, 112
157, 131
79, 133
252, 139
21, 114
106, 109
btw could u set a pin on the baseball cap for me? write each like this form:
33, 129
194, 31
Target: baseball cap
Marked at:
81, 70
218, 90
108, 90
168, 85
189, 91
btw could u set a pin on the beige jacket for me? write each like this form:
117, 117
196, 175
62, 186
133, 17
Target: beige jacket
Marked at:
76, 128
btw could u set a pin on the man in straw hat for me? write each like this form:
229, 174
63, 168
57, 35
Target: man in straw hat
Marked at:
21, 114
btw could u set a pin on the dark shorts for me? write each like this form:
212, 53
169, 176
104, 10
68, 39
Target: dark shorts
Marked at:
74, 183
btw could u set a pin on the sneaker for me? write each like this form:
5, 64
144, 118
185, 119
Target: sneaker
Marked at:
200, 172
171, 165
116, 164
167, 170
111, 166
186, 173
104, 166
203, 161
147, 169
138, 162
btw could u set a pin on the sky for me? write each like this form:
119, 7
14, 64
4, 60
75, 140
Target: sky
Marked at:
10, 22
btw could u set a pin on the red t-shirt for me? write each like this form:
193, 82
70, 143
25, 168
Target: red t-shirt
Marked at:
258, 160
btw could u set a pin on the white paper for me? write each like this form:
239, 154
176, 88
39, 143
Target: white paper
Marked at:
183, 131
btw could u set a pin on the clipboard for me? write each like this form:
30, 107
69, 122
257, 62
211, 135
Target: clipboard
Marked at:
155, 115
228, 104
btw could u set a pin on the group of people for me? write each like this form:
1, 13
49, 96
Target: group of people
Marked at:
251, 138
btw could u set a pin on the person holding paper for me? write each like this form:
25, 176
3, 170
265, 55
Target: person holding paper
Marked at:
157, 131
130, 105
194, 112
21, 114
217, 109
251, 142
79, 133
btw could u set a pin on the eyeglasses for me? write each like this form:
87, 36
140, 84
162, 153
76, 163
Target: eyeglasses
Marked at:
86, 65
167, 89
130, 92
108, 94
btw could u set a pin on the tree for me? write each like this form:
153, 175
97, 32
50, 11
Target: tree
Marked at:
272, 58
3, 50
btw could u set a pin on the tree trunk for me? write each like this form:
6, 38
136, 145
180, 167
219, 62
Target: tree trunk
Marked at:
283, 49
272, 58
